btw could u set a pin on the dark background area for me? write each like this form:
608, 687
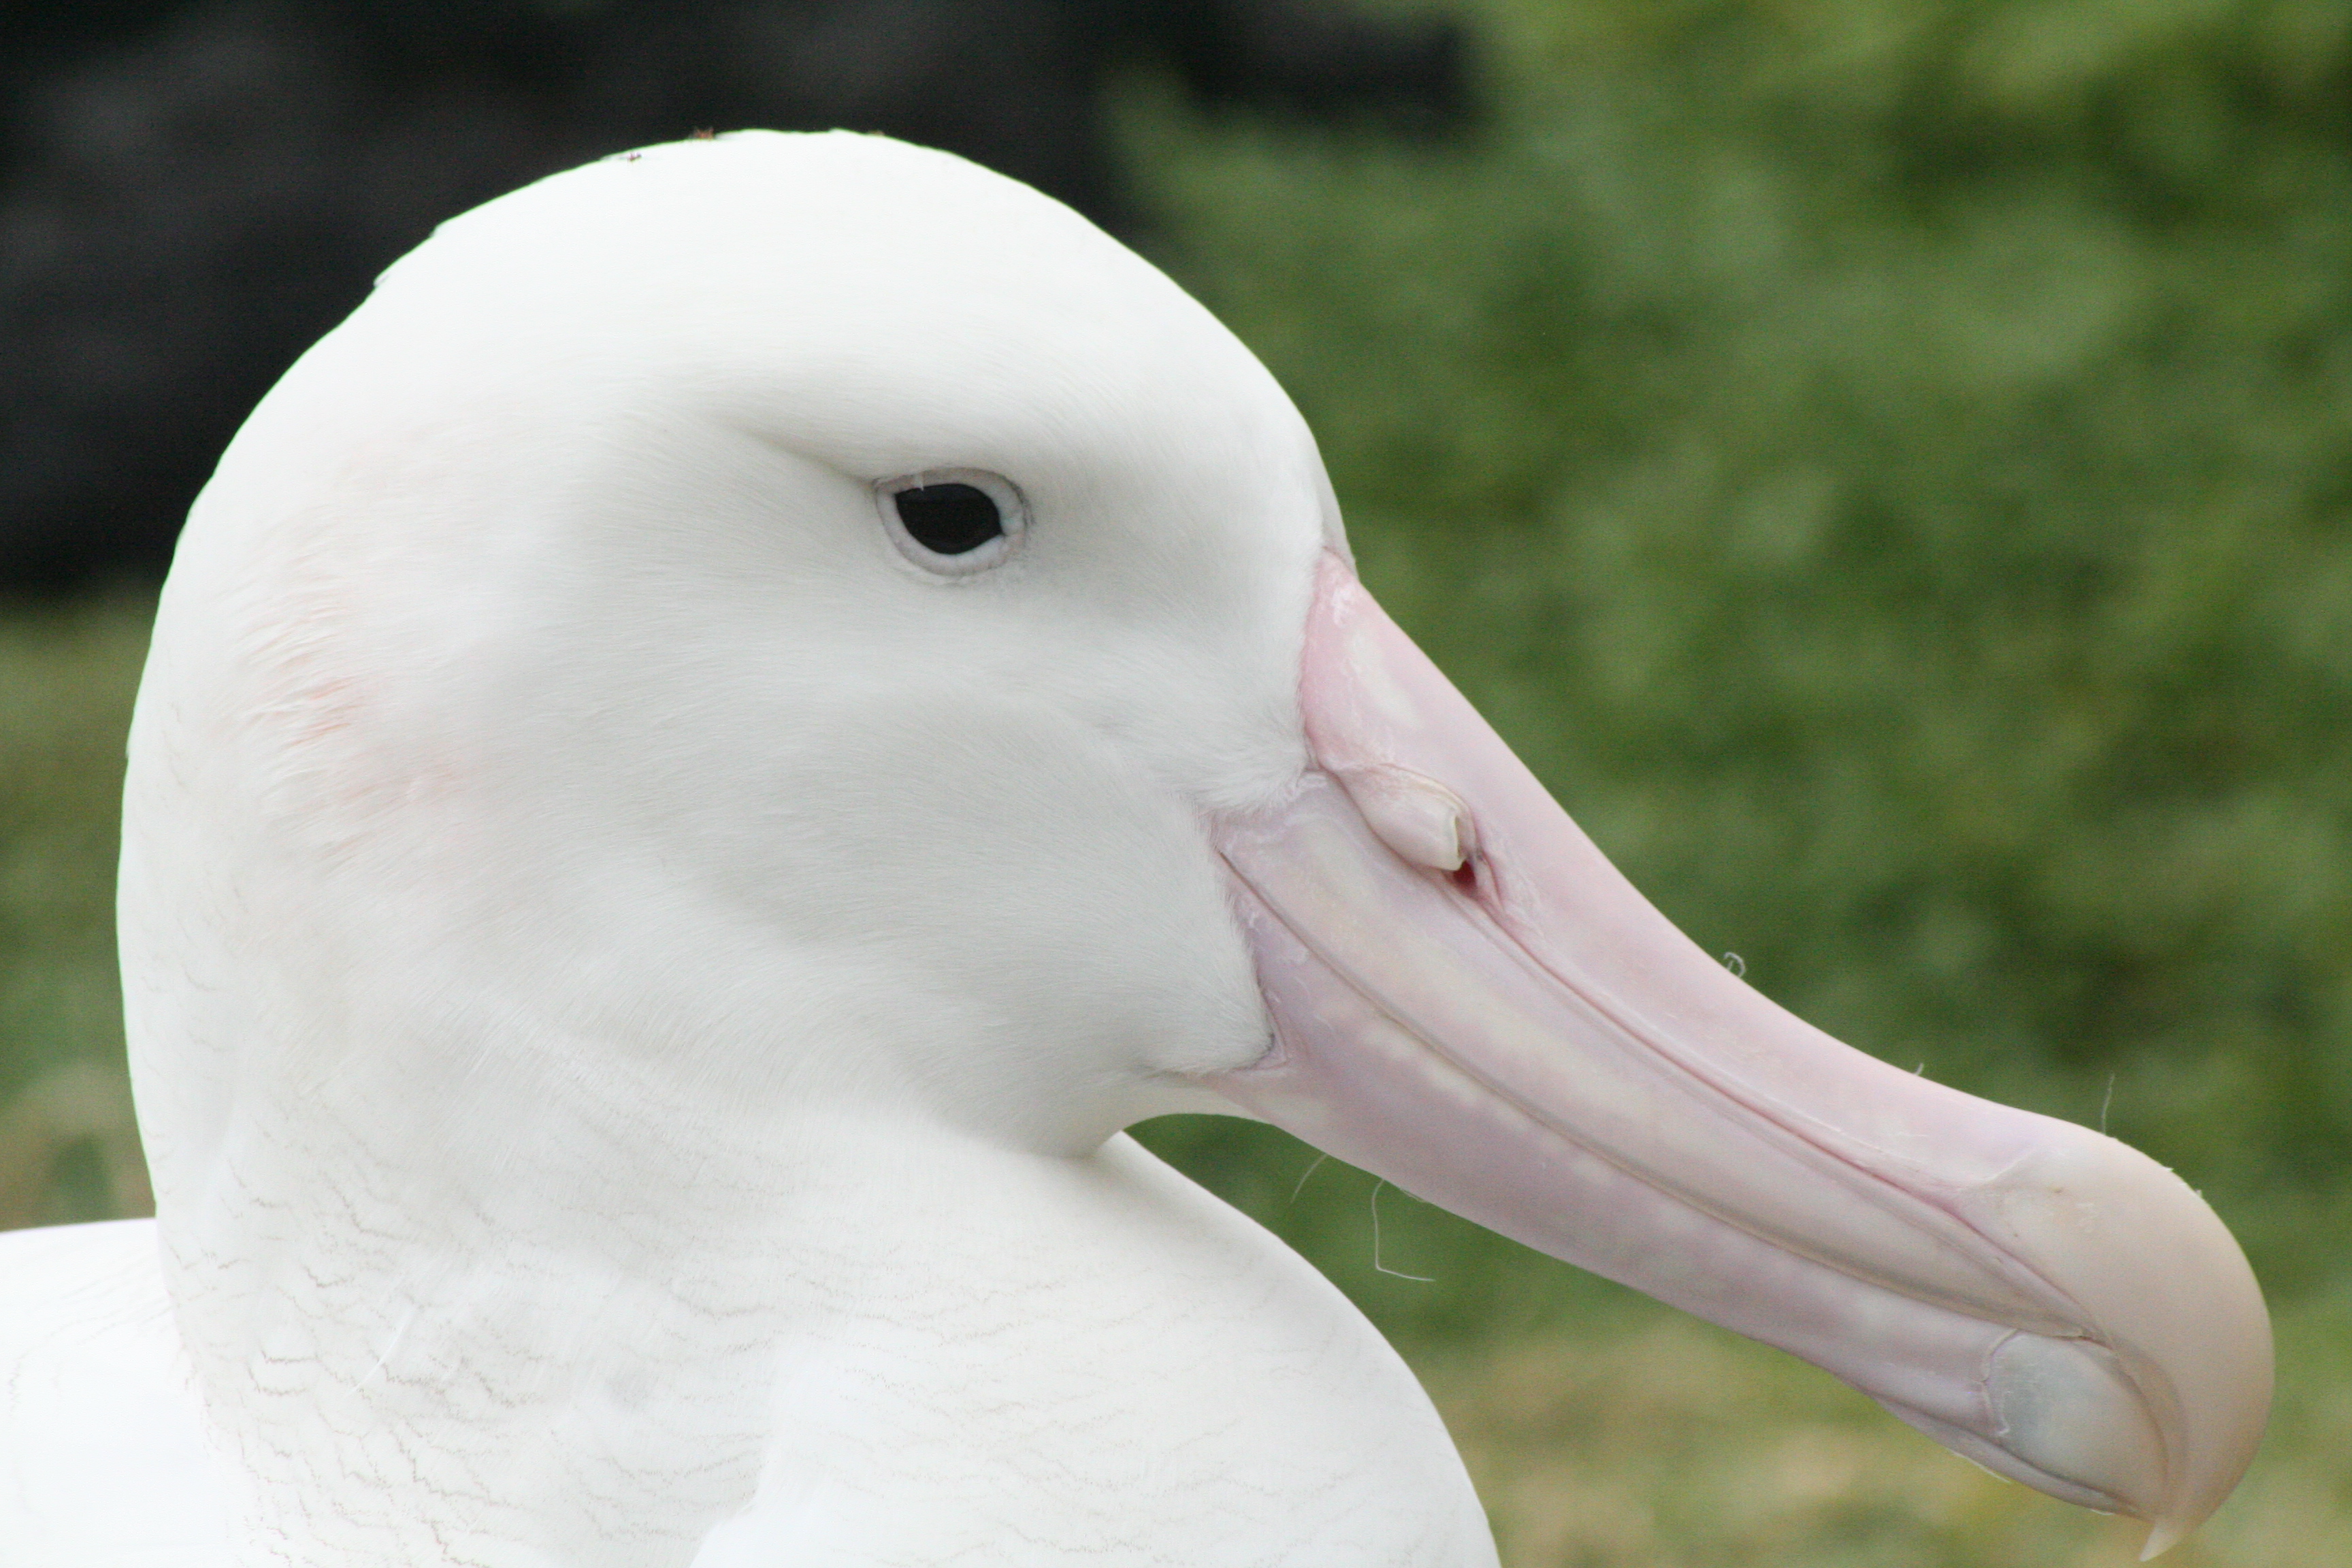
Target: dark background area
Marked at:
192, 191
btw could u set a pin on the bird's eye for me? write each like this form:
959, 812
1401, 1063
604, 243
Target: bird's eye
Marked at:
952, 522
949, 518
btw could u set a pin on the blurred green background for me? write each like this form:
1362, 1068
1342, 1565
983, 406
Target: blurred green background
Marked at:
1887, 463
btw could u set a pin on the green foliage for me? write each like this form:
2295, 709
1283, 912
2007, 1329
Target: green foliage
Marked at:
1887, 466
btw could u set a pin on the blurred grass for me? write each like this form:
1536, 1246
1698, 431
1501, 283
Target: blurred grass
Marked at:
1672, 1443
69, 1149
1887, 463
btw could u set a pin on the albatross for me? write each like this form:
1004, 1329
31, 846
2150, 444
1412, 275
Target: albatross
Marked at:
706, 753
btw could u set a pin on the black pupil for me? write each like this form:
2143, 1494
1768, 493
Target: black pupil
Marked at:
949, 519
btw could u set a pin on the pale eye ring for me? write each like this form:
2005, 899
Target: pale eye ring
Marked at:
952, 522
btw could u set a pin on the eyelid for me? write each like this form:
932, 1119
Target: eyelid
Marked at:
1011, 508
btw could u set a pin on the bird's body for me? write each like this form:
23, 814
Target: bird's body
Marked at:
991, 1330
711, 748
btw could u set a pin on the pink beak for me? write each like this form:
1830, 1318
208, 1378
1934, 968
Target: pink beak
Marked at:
1470, 1001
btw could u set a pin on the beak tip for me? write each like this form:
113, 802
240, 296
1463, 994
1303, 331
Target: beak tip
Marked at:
2165, 1288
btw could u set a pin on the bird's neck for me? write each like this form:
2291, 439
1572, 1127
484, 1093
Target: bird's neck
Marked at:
603, 1366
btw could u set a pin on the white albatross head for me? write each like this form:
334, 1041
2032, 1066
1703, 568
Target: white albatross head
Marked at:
566, 780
